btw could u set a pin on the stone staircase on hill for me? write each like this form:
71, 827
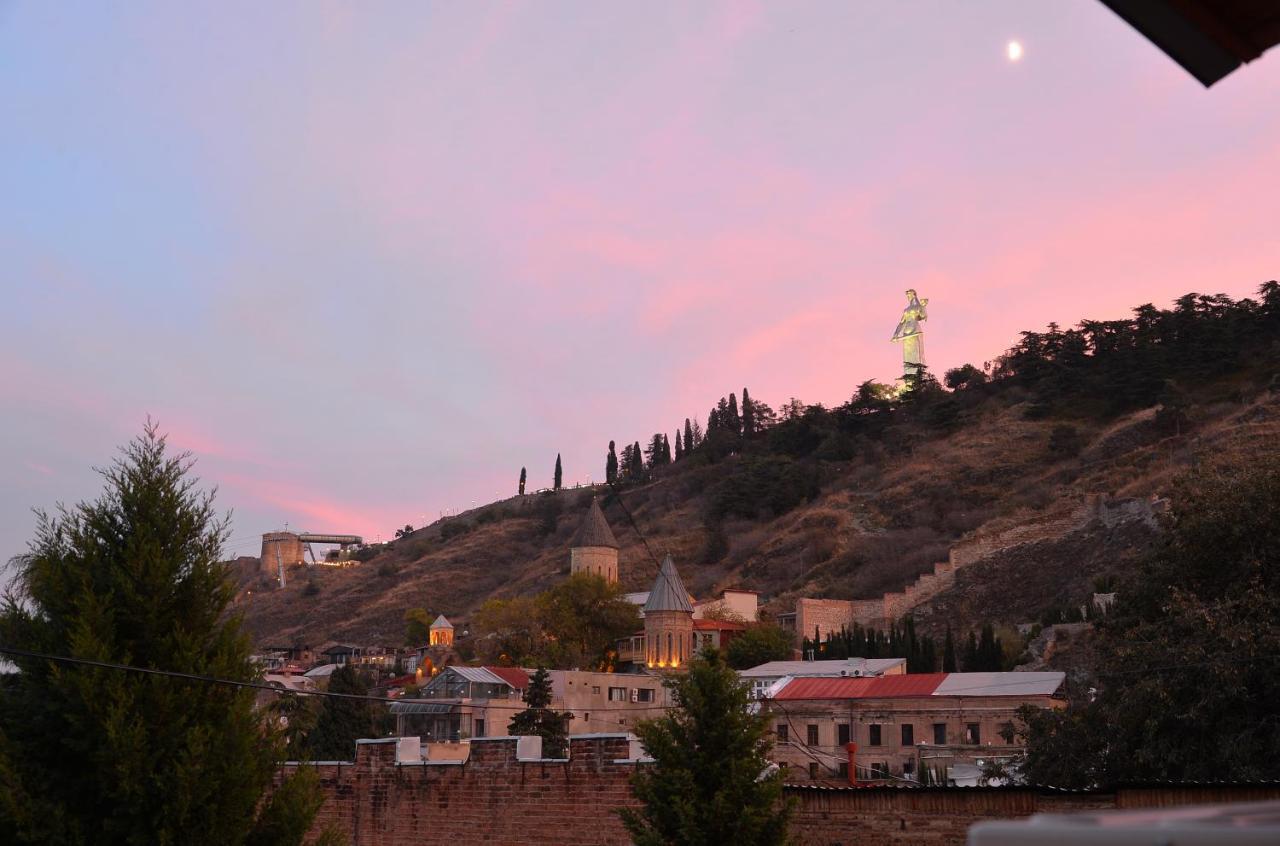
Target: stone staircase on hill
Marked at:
830, 615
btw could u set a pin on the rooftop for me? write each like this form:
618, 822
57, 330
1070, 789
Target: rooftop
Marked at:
594, 530
668, 593
441, 623
864, 666
924, 684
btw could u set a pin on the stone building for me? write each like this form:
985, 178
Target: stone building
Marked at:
668, 621
594, 549
899, 724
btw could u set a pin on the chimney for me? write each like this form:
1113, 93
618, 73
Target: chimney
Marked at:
852, 749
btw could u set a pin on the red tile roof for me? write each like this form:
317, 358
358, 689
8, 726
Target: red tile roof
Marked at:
880, 687
513, 676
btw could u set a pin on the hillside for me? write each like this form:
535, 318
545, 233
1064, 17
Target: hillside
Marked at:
852, 502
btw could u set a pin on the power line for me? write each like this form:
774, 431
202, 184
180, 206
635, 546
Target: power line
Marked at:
613, 486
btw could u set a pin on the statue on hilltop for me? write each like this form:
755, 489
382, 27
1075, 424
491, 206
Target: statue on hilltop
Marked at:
911, 334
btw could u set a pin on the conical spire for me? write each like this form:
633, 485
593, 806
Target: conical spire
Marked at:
594, 530
668, 593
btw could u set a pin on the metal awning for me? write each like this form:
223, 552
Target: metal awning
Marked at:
422, 707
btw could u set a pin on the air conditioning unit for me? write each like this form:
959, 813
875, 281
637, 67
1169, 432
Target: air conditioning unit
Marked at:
856, 674
635, 696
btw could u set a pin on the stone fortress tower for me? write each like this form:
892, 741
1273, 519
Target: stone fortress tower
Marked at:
594, 549
668, 621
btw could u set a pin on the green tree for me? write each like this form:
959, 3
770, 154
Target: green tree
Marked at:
679, 445
417, 626
97, 755
523, 477
710, 780
688, 436
611, 466
341, 721
538, 720
949, 653
748, 415
559, 474
1189, 684
509, 631
760, 644
583, 617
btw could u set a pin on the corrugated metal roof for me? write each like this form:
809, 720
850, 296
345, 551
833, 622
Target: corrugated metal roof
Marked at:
421, 707
594, 530
479, 675
1000, 684
668, 593
867, 666
879, 687
719, 625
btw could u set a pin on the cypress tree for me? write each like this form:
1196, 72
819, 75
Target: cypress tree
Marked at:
949, 653
688, 437
970, 661
559, 473
733, 422
637, 460
523, 477
679, 445
95, 755
748, 415
611, 466
666, 449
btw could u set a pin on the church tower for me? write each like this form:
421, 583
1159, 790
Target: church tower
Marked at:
594, 549
668, 621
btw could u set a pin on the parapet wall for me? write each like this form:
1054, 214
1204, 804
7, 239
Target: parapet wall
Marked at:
498, 797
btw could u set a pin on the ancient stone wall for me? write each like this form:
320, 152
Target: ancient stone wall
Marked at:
496, 797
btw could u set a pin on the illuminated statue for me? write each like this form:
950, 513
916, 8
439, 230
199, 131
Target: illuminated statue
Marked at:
911, 334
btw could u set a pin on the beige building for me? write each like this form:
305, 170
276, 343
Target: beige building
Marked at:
594, 549
901, 723
668, 621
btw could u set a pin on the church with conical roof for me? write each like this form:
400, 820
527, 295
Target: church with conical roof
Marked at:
594, 549
668, 621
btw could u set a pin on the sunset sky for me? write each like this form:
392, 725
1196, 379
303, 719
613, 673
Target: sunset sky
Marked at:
366, 262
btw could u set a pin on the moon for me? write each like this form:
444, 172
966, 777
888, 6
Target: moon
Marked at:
1013, 50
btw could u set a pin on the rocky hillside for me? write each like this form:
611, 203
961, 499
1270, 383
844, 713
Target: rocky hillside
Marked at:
860, 500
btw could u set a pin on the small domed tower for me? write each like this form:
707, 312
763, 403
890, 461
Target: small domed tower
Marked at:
594, 549
668, 621
441, 632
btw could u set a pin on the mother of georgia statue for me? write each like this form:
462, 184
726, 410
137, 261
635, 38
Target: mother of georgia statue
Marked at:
911, 334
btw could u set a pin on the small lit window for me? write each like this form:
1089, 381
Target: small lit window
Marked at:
617, 694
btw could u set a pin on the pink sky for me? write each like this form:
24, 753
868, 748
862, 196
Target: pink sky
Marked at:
366, 266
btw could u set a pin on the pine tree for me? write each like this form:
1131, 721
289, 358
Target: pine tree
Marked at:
538, 720
341, 722
559, 474
709, 781
748, 415
523, 477
95, 755
949, 653
611, 465
688, 437
697, 434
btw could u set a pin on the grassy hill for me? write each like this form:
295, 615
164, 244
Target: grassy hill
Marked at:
858, 500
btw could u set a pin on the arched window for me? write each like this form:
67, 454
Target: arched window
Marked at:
670, 653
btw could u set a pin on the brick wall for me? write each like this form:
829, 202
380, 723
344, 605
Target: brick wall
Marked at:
497, 798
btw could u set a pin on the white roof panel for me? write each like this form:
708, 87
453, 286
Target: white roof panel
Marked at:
865, 666
1000, 684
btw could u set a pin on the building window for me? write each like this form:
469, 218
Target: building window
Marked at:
670, 651
706, 641
939, 734
908, 767
782, 733
842, 734
813, 769
844, 770
908, 734
644, 694
812, 735
595, 688
874, 734
479, 728
617, 694
972, 734
1007, 733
